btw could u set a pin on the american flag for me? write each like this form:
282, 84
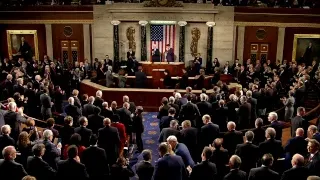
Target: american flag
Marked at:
162, 35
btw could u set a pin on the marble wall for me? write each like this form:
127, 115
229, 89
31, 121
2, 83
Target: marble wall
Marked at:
124, 42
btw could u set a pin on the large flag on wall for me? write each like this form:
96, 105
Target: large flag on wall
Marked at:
161, 36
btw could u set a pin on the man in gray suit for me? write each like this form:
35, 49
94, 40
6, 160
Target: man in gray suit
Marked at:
88, 109
109, 77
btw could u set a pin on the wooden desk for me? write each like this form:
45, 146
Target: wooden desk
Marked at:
191, 81
175, 68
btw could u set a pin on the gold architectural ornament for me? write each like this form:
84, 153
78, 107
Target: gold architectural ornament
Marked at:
143, 23
13, 41
295, 42
131, 38
115, 22
195, 34
182, 23
162, 3
210, 24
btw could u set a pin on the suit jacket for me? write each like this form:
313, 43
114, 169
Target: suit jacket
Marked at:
259, 136
51, 155
88, 109
249, 154
263, 173
189, 111
208, 134
85, 134
182, 150
298, 122
273, 147
220, 117
5, 141
206, 170
231, 139
141, 80
253, 103
125, 118
170, 167
236, 174
11, 170
204, 108
244, 114
71, 169
121, 130
95, 122
144, 170
220, 157
298, 173
165, 122
45, 101
163, 111
121, 173
166, 132
74, 112
109, 140
313, 165
18, 88
14, 120
189, 137
106, 113
98, 102
38, 168
296, 145
77, 102
232, 113
95, 160
278, 126
65, 134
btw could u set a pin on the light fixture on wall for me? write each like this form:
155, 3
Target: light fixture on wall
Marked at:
182, 23
143, 23
210, 24
115, 22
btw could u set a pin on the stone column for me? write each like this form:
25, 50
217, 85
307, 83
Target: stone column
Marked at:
115, 40
210, 41
240, 45
182, 31
86, 41
280, 43
49, 42
143, 38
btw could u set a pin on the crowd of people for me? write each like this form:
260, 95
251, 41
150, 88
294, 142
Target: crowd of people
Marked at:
198, 140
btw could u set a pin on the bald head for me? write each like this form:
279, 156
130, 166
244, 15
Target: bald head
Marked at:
125, 98
297, 160
9, 153
300, 132
107, 122
231, 126
91, 99
235, 162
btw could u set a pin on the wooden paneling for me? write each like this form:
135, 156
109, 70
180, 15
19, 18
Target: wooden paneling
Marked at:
41, 31
271, 39
276, 18
240, 9
47, 8
289, 36
58, 36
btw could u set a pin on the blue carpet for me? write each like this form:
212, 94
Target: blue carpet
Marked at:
149, 138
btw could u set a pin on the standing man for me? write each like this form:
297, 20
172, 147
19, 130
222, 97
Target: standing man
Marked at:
264, 172
235, 173
299, 121
9, 169
205, 170
168, 54
46, 104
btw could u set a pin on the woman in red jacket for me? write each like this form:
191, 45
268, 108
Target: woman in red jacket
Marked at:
74, 140
122, 131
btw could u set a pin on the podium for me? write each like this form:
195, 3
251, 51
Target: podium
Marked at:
174, 68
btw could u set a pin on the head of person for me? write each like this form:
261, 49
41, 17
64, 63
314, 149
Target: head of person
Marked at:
164, 101
9, 153
297, 160
177, 95
114, 105
249, 136
50, 122
72, 151
83, 121
91, 100
164, 148
93, 140
258, 123
173, 141
249, 94
312, 129
300, 132
206, 119
12, 106
68, 121
5, 130
267, 160
38, 150
313, 178
106, 122
71, 100
231, 126
217, 143
243, 99
126, 105
47, 135
75, 139
121, 161
99, 94
270, 133
75, 93
301, 111
273, 116
29, 178
125, 98
147, 155
234, 162
313, 146
188, 89
105, 105
174, 124
23, 140
206, 153
186, 124
172, 111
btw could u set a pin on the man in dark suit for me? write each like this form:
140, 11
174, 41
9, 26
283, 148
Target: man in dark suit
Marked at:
72, 168
73, 111
298, 171
19, 87
313, 163
95, 160
299, 121
109, 140
204, 108
259, 132
172, 130
232, 138
37, 167
98, 99
271, 145
83, 131
276, 125
296, 145
253, 102
141, 78
220, 157
14, 120
169, 167
209, 132
299, 94
125, 116
189, 137
164, 108
106, 112
132, 107
95, 121
9, 169
244, 113
264, 172
168, 54
130, 53
52, 153
88, 108
46, 104
220, 116
5, 139
145, 169
248, 152
206, 170
235, 173
181, 149
189, 111
165, 120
